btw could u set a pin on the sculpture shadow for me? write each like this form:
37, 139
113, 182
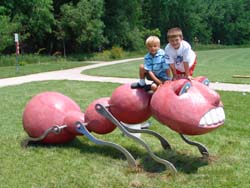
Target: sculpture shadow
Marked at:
182, 162
85, 146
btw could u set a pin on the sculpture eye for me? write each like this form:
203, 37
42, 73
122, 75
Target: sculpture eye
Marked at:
206, 82
185, 88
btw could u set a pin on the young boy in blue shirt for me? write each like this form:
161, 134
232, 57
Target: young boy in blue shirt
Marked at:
154, 67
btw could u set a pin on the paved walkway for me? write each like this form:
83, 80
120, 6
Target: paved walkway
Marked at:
75, 74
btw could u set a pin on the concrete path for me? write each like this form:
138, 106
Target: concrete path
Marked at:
75, 74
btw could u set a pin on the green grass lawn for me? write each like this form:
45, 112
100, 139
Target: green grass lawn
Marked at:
218, 65
11, 71
84, 164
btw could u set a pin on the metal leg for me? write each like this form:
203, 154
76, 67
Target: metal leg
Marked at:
103, 111
165, 144
82, 129
54, 129
203, 150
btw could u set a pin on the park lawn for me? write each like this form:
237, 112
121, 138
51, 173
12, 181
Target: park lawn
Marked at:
84, 164
217, 65
14, 71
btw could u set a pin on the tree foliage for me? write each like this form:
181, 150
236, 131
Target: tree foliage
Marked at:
6, 32
89, 25
81, 24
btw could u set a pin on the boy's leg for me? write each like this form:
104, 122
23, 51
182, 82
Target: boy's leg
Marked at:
191, 69
179, 74
141, 82
142, 73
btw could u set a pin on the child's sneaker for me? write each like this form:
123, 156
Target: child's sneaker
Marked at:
136, 85
147, 87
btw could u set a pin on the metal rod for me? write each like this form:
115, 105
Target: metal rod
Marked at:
104, 112
81, 128
203, 150
56, 129
165, 144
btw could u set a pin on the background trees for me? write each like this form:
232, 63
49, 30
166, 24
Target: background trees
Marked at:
80, 25
90, 25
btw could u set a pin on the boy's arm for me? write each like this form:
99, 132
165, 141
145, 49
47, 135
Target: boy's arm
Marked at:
186, 67
154, 78
173, 70
168, 72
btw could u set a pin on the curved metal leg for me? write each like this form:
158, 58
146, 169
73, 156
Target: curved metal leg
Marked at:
103, 111
203, 150
82, 129
56, 129
165, 144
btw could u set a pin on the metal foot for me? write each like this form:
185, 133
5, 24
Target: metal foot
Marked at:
56, 129
82, 129
203, 150
104, 112
165, 144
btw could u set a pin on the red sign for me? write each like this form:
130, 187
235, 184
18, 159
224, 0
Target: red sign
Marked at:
17, 48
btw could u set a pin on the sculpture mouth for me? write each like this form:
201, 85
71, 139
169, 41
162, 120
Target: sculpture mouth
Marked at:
213, 118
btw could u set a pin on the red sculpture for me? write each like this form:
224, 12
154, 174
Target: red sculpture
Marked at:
46, 110
96, 122
130, 105
188, 107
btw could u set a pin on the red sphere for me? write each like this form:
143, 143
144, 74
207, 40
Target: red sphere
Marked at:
95, 121
130, 106
46, 110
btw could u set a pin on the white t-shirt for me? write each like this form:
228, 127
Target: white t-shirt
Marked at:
177, 56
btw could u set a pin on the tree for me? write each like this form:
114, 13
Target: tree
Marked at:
35, 20
6, 30
123, 25
81, 26
229, 21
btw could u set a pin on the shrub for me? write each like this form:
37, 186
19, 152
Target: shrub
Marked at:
22, 63
116, 52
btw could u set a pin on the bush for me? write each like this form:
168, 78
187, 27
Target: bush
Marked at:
10, 60
7, 60
22, 63
116, 52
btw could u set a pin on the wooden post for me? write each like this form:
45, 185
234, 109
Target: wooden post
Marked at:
241, 76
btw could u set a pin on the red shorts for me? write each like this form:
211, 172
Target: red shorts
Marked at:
191, 69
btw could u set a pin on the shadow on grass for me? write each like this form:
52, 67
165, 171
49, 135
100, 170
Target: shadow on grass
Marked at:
182, 162
85, 146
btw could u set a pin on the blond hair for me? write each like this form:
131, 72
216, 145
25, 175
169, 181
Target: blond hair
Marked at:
152, 40
174, 32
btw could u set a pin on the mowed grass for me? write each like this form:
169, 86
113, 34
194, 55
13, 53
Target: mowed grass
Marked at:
84, 164
14, 71
218, 65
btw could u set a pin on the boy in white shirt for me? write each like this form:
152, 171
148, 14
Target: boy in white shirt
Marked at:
179, 55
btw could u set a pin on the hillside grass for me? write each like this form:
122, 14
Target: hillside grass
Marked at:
217, 65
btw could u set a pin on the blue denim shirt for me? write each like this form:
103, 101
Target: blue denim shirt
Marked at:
157, 64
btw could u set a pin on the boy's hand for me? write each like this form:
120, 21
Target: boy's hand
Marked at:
189, 77
175, 77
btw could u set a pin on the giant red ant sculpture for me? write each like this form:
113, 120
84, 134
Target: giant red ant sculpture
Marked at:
188, 107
